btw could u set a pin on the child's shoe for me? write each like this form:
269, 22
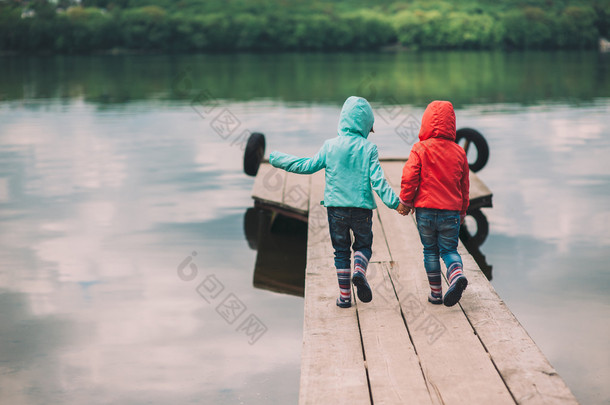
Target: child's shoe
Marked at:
434, 299
362, 287
454, 293
344, 304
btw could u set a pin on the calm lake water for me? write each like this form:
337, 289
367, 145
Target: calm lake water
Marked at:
115, 171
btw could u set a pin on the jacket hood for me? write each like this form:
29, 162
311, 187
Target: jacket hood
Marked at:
438, 121
356, 117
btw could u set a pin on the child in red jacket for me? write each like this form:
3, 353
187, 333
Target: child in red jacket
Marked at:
435, 182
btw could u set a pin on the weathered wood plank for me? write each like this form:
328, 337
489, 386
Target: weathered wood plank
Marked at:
478, 189
284, 193
393, 366
480, 194
392, 169
455, 364
332, 363
296, 192
525, 370
381, 253
269, 184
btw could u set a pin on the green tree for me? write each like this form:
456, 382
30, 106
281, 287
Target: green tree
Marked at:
369, 29
312, 32
576, 28
250, 32
408, 30
472, 31
12, 27
529, 28
602, 21
188, 34
146, 28
219, 30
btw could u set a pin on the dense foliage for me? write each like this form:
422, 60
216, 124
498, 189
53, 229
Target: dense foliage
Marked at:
278, 25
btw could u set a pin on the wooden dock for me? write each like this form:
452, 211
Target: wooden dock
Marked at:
399, 349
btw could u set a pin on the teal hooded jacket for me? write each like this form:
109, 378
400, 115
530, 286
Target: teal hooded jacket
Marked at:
351, 162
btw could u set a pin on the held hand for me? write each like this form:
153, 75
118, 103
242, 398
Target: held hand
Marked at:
403, 209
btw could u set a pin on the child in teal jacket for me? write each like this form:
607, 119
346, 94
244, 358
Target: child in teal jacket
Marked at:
352, 173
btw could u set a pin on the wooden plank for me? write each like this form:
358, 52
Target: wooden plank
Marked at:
381, 253
282, 192
332, 363
269, 184
296, 192
455, 364
280, 209
524, 368
392, 170
480, 194
393, 366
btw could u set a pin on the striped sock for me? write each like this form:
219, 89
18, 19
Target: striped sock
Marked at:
454, 272
360, 263
345, 288
436, 290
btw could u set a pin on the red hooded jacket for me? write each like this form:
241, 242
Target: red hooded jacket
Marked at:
436, 174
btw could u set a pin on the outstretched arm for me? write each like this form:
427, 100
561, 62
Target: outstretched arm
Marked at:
380, 184
298, 165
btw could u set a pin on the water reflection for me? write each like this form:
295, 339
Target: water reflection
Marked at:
281, 243
405, 78
27, 342
473, 234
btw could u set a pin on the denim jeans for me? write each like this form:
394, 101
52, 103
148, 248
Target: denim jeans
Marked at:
340, 221
439, 232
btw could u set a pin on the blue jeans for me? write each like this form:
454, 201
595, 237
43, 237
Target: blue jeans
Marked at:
439, 233
340, 221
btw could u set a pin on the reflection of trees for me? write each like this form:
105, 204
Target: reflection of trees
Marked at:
405, 78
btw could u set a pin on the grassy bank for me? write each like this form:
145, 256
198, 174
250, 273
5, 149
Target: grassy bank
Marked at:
287, 25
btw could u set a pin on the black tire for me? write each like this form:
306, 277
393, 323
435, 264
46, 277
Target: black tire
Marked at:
255, 151
473, 136
482, 229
